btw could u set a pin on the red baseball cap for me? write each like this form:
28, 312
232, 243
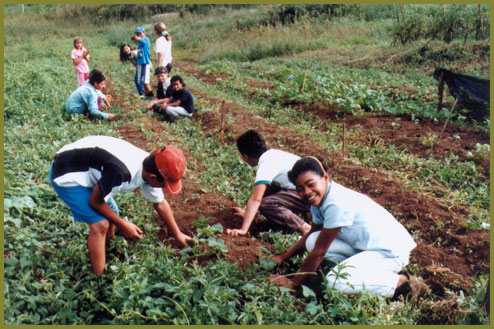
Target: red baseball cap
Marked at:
171, 164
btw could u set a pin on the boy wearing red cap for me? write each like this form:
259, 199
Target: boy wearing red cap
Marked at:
85, 174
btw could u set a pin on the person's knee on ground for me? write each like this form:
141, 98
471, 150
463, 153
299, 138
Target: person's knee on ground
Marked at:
305, 228
278, 213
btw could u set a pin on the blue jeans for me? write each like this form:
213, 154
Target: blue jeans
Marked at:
139, 85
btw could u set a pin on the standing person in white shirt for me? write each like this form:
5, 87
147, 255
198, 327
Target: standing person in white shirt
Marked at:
163, 46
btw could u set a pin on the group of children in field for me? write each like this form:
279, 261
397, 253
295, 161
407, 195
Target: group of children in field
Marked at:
172, 101
337, 224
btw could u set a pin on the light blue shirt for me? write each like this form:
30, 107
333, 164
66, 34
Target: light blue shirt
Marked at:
84, 98
144, 55
365, 225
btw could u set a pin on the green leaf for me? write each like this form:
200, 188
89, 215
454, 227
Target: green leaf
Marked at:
307, 292
15, 221
312, 308
19, 203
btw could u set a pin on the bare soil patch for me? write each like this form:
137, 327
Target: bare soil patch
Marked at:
193, 202
424, 138
444, 241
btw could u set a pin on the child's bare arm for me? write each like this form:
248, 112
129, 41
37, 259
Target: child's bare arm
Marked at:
154, 102
176, 102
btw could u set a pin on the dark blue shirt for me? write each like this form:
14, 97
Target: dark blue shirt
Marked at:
186, 99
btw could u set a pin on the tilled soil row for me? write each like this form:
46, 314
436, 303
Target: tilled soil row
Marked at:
187, 207
448, 252
423, 139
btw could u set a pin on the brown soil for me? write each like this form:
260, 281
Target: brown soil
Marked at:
449, 253
193, 202
463, 251
424, 139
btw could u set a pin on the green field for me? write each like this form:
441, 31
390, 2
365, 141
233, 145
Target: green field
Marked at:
350, 84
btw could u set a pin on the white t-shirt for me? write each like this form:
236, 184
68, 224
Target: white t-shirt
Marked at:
365, 225
113, 164
274, 166
165, 48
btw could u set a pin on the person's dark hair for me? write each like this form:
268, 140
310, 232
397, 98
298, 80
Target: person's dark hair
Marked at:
123, 56
149, 164
160, 69
177, 78
252, 144
304, 165
95, 76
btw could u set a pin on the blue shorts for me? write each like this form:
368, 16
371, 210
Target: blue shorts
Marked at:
77, 198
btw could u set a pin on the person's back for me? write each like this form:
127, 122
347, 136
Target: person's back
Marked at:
144, 56
273, 194
83, 161
84, 100
274, 166
81, 98
370, 226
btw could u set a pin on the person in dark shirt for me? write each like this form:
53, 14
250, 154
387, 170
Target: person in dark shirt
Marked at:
163, 89
180, 104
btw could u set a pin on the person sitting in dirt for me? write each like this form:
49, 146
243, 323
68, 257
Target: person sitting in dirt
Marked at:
371, 246
180, 104
87, 173
274, 195
88, 98
163, 89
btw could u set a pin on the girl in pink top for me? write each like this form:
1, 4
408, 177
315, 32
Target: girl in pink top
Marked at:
80, 57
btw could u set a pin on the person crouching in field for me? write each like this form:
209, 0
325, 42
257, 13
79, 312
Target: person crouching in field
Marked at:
163, 89
127, 53
180, 104
87, 173
88, 98
348, 227
274, 195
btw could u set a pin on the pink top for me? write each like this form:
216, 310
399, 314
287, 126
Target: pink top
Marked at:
82, 66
